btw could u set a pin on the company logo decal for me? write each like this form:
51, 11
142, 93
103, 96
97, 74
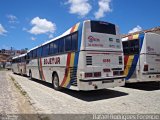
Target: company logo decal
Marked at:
93, 39
53, 60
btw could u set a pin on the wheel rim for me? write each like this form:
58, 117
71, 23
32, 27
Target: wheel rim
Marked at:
56, 83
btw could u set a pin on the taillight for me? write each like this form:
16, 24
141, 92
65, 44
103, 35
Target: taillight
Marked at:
118, 73
97, 74
106, 70
88, 75
145, 67
115, 72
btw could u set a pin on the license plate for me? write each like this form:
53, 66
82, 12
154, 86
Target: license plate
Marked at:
107, 81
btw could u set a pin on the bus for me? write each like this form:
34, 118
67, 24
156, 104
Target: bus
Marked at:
88, 56
142, 57
19, 64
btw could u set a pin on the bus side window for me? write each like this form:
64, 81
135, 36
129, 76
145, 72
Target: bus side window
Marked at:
54, 47
34, 53
45, 50
68, 43
61, 45
30, 55
39, 52
126, 47
134, 46
74, 41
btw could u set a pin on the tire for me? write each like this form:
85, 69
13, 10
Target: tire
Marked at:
30, 75
55, 82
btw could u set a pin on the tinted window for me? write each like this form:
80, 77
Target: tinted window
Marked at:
126, 47
61, 45
30, 55
54, 47
39, 52
68, 44
131, 47
103, 27
23, 59
74, 41
35, 53
45, 50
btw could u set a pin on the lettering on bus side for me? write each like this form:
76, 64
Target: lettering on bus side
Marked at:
53, 60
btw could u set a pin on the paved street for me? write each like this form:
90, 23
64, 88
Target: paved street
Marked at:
41, 99
128, 100
11, 100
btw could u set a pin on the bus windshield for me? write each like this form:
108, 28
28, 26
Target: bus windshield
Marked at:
131, 47
103, 27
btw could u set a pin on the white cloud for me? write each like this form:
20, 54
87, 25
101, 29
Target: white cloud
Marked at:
80, 7
41, 26
2, 30
136, 29
104, 7
12, 19
33, 38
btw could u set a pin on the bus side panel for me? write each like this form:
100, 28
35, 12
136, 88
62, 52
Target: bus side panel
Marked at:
15, 68
153, 50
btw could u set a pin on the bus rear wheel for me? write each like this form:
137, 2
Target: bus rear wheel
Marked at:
55, 82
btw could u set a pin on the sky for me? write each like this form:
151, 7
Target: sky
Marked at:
28, 23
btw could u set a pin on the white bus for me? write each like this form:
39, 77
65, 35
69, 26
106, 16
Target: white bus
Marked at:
88, 56
19, 64
142, 57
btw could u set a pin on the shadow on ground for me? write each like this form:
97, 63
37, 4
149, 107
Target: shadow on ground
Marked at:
88, 95
147, 86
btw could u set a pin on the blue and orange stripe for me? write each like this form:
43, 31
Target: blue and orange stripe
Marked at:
72, 58
131, 61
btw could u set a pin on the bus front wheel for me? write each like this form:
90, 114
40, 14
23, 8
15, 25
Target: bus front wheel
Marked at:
55, 82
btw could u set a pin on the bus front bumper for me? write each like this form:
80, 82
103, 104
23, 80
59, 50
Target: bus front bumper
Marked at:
101, 83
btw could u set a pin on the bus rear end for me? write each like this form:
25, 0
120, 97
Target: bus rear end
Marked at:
101, 57
150, 58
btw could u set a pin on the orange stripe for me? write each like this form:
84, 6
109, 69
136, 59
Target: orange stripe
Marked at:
67, 71
72, 30
41, 69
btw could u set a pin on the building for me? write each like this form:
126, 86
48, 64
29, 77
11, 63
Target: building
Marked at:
154, 30
6, 55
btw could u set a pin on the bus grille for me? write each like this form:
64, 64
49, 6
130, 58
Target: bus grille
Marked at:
88, 60
73, 76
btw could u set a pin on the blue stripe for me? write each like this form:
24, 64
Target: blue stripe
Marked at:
133, 67
76, 57
141, 38
80, 35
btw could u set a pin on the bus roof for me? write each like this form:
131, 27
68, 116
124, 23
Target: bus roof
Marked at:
132, 37
22, 55
60, 36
